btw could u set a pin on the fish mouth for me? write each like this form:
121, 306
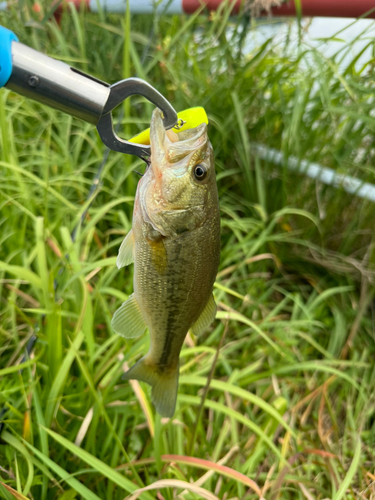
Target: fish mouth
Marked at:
168, 146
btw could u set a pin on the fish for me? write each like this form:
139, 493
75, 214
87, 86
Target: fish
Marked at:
175, 246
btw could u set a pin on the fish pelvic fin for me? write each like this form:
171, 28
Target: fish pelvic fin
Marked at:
164, 383
126, 252
128, 320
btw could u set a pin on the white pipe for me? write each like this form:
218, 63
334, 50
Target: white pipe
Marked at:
315, 171
138, 6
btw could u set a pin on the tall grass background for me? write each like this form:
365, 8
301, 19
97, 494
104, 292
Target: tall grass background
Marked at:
276, 399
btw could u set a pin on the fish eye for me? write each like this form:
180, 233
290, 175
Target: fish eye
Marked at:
200, 172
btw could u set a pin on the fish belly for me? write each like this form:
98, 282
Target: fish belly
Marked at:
173, 280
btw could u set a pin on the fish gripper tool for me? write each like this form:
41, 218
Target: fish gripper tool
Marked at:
52, 82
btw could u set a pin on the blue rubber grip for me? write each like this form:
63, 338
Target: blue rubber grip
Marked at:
6, 39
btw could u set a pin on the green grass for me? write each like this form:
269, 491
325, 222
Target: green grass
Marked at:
277, 397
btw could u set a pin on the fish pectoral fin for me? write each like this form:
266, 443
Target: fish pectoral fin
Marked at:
164, 383
126, 253
128, 320
206, 318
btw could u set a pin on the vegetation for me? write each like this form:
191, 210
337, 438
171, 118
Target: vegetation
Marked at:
276, 399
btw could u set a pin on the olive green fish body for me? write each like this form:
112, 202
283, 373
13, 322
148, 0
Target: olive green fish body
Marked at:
173, 280
175, 244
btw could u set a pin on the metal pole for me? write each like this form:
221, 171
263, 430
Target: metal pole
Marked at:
310, 8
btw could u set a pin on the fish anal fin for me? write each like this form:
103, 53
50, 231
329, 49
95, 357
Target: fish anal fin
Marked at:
206, 318
128, 320
125, 254
164, 384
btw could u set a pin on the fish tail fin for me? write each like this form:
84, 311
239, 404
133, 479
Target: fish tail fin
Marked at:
164, 384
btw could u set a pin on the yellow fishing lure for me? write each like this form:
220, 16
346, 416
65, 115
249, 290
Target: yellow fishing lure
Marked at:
192, 118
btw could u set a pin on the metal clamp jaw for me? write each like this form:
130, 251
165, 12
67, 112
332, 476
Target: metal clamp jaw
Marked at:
56, 84
118, 93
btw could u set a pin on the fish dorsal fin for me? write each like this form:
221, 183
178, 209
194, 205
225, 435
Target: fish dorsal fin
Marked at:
206, 318
128, 320
125, 254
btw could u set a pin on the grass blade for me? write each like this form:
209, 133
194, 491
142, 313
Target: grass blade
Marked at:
220, 408
64, 475
15, 493
241, 393
351, 472
174, 483
95, 463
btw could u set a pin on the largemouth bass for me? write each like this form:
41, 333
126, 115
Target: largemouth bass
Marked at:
175, 246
